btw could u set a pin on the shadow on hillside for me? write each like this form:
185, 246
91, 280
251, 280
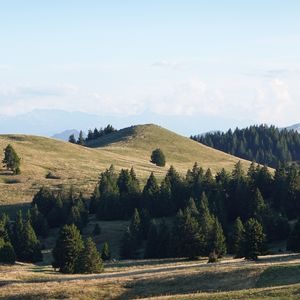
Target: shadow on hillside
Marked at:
168, 284
119, 136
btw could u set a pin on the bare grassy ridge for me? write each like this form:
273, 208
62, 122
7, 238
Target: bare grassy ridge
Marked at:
160, 279
80, 166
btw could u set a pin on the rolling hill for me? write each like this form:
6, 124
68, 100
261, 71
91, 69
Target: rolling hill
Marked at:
80, 166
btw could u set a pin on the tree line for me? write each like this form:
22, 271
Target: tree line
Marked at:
92, 135
197, 214
264, 144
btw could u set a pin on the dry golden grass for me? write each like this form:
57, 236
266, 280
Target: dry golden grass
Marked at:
161, 279
80, 166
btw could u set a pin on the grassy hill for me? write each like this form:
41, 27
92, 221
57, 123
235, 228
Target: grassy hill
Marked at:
81, 166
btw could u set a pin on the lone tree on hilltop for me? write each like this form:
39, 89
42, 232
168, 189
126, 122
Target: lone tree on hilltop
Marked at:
11, 159
158, 157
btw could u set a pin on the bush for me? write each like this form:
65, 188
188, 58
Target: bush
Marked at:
158, 158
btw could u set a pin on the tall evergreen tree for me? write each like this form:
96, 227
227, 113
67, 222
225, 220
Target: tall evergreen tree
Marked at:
30, 248
150, 196
254, 239
89, 259
128, 245
11, 159
237, 242
217, 243
68, 247
81, 140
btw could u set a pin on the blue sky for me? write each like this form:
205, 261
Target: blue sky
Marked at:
235, 60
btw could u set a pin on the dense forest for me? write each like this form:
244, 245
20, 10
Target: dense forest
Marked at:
199, 214
262, 144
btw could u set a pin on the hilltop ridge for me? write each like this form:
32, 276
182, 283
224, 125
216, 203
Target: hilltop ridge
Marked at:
80, 166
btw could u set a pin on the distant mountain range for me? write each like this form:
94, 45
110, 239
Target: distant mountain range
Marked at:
64, 136
48, 122
295, 127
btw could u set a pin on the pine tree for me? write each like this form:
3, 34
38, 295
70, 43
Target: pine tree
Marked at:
68, 247
151, 250
158, 157
217, 242
206, 223
187, 238
105, 252
38, 222
89, 259
30, 247
7, 253
254, 239
11, 159
17, 233
258, 206
135, 225
150, 196
81, 140
237, 242
128, 245
72, 139
293, 243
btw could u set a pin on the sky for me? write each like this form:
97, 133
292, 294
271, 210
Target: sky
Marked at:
192, 60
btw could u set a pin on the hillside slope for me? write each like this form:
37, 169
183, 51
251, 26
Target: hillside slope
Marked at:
81, 166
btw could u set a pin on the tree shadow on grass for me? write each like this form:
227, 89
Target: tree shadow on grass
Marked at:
173, 284
279, 275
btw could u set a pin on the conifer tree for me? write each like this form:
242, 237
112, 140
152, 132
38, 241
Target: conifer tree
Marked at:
11, 159
128, 245
105, 252
135, 226
81, 140
68, 247
237, 242
7, 253
89, 259
217, 243
38, 222
17, 233
187, 239
72, 139
152, 241
30, 248
258, 206
206, 222
254, 239
150, 195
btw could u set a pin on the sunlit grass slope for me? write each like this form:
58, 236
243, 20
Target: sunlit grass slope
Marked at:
81, 166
